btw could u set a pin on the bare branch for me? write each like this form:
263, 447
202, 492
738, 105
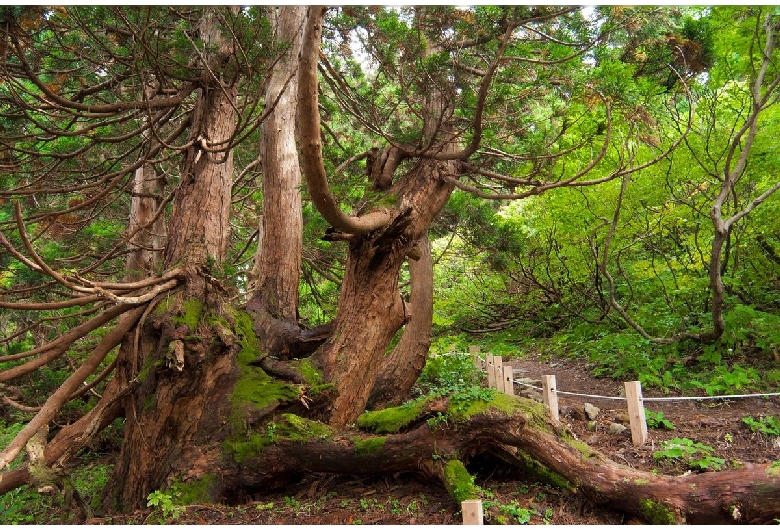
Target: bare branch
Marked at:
61, 395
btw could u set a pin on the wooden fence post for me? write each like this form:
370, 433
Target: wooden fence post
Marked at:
491, 374
474, 351
472, 511
498, 376
509, 385
550, 396
636, 412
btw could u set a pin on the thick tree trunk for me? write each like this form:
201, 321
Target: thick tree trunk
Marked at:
370, 307
200, 224
181, 367
175, 421
401, 367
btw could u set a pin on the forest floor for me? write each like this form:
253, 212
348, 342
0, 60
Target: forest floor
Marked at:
406, 499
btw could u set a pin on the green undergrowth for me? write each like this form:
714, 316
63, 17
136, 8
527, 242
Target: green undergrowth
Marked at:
24, 505
740, 361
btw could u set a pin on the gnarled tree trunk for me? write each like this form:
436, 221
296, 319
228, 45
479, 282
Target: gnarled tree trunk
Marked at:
180, 399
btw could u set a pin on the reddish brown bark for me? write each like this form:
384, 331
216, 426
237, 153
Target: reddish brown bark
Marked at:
401, 367
175, 417
748, 495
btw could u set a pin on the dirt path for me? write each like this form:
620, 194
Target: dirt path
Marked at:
715, 423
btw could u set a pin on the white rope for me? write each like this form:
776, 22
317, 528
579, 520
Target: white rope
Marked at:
732, 396
588, 395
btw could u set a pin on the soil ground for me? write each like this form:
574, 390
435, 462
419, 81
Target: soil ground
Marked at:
405, 499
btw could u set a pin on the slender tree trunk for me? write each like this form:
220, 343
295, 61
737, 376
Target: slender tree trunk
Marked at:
278, 259
148, 242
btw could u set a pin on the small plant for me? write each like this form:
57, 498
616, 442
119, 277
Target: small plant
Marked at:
437, 422
686, 449
292, 502
656, 420
164, 501
768, 425
520, 514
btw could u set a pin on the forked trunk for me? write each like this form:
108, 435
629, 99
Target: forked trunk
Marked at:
401, 367
371, 310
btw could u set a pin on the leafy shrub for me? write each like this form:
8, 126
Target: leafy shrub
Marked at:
165, 502
768, 425
725, 380
520, 514
448, 373
685, 449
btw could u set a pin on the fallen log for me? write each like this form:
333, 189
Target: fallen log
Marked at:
434, 440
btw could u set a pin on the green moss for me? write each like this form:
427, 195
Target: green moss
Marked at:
252, 446
310, 374
773, 469
656, 513
386, 200
503, 403
391, 420
146, 370
300, 429
192, 310
255, 390
369, 446
247, 339
199, 491
161, 308
289, 428
260, 390
459, 482
583, 448
641, 481
149, 402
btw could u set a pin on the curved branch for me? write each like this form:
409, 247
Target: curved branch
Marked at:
57, 347
310, 138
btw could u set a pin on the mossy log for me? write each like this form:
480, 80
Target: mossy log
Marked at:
428, 441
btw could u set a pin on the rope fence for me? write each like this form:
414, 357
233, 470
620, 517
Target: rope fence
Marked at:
500, 377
